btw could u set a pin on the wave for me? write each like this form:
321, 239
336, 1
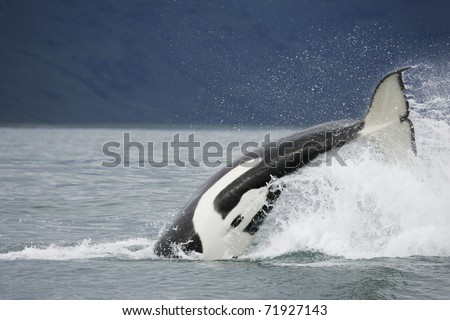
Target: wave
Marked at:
130, 249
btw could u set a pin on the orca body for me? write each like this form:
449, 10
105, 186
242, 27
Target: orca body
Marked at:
222, 217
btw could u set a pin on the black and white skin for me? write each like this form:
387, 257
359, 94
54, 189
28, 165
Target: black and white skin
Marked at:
221, 218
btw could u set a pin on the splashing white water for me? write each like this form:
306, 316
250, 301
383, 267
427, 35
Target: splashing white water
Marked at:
371, 207
131, 249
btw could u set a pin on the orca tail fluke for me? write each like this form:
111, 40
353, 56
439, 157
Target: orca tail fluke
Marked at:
387, 119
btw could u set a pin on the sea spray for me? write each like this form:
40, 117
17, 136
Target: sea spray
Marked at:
373, 207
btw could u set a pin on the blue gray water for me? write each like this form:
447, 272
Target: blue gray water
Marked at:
73, 229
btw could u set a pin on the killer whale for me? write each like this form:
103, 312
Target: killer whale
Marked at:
222, 216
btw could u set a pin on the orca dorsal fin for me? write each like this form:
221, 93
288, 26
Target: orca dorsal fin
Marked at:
387, 118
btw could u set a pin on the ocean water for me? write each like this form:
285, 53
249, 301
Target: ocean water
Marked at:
71, 228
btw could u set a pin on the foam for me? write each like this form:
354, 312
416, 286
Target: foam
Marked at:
373, 207
131, 249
